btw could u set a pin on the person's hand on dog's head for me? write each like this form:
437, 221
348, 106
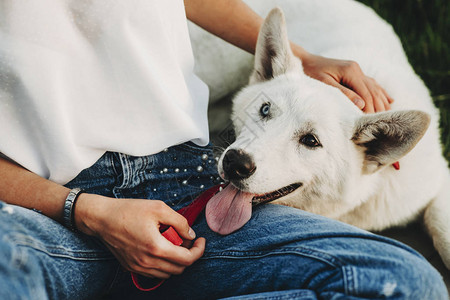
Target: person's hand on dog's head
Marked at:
348, 77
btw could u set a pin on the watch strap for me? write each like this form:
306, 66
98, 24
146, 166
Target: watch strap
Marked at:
69, 205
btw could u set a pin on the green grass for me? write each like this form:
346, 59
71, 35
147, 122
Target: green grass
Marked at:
424, 29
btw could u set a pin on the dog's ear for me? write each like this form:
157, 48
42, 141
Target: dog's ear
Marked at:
389, 136
273, 54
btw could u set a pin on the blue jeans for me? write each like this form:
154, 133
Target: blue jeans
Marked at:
281, 253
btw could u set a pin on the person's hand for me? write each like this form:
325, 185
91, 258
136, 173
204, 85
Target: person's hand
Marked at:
348, 77
130, 230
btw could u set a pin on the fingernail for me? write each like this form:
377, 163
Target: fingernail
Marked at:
360, 103
191, 233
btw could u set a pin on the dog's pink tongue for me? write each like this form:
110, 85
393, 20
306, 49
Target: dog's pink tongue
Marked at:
229, 210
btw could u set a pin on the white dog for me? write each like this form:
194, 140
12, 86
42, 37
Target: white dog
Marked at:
302, 143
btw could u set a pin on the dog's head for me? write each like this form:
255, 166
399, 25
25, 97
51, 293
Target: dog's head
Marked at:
298, 140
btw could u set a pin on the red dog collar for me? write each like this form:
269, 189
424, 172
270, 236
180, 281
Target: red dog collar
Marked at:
396, 165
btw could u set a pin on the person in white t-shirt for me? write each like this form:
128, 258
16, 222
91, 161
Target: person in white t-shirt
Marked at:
101, 95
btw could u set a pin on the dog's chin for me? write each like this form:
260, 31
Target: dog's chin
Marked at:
261, 198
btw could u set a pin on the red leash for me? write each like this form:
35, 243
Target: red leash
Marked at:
190, 212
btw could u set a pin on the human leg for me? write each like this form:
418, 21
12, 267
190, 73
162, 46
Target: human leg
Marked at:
40, 259
285, 249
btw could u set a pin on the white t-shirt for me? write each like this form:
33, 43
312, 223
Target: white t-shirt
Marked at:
81, 77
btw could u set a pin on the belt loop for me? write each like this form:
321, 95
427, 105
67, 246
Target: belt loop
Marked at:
126, 170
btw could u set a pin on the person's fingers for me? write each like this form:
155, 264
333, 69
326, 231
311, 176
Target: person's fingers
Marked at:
160, 268
379, 96
198, 248
379, 100
379, 105
387, 106
147, 266
150, 266
187, 257
162, 248
388, 97
391, 100
168, 216
353, 77
355, 98
361, 89
348, 76
387, 103
357, 84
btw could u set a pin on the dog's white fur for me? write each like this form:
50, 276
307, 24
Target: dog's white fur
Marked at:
350, 176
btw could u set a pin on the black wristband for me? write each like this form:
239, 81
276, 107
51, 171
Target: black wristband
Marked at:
69, 208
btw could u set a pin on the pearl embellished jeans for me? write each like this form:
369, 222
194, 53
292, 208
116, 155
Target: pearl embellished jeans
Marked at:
281, 253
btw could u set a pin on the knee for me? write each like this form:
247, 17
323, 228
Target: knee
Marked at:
374, 268
404, 276
412, 277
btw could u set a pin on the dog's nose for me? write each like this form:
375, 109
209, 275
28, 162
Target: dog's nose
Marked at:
237, 164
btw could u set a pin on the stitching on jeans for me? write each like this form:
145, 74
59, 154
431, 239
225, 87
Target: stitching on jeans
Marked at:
112, 163
354, 280
126, 172
324, 257
350, 282
141, 172
26, 241
287, 295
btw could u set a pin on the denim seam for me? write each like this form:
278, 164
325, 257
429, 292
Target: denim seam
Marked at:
126, 170
113, 165
348, 272
236, 254
84, 255
286, 295
293, 295
350, 280
68, 256
126, 174
141, 172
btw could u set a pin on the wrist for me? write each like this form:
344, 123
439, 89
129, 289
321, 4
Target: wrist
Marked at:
88, 212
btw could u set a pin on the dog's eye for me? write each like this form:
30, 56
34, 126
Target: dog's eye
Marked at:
310, 141
264, 111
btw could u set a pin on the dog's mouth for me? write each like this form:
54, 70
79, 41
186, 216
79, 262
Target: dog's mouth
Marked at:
230, 209
269, 197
